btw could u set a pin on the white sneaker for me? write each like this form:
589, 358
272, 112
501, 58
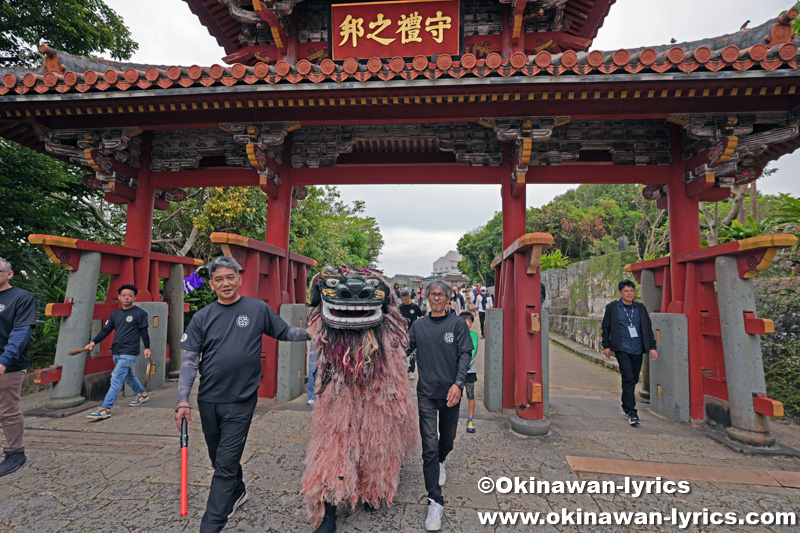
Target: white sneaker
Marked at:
311, 401
442, 475
410, 375
434, 520
242, 498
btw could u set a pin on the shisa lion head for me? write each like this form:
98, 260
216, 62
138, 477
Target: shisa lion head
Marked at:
351, 297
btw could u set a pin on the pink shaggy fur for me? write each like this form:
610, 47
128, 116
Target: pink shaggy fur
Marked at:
361, 432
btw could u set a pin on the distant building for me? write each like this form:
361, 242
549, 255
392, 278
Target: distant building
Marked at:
447, 265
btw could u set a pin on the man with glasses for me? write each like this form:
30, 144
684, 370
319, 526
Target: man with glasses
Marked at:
17, 320
444, 348
223, 341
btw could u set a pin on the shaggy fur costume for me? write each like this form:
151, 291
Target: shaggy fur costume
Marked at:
364, 424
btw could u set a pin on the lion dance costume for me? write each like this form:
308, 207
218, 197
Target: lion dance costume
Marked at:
364, 424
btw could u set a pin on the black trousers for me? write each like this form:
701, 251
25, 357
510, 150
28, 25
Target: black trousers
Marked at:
225, 426
482, 317
412, 362
630, 364
436, 442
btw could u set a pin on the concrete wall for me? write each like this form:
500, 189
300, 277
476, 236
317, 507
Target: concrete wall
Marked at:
292, 356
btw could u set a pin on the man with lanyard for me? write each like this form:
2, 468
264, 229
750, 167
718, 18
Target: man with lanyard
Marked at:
628, 332
129, 324
444, 349
485, 301
411, 312
17, 320
223, 341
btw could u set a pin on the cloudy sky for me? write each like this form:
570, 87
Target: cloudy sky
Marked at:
420, 223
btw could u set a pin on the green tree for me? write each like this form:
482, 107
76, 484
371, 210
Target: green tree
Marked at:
80, 27
44, 195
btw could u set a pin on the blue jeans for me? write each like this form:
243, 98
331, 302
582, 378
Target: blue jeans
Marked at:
122, 373
312, 363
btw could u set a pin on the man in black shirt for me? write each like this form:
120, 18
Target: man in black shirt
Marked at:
223, 341
411, 312
444, 348
129, 324
628, 332
17, 320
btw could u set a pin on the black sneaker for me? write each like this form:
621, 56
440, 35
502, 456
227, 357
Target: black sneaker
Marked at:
240, 499
370, 509
12, 462
328, 524
633, 420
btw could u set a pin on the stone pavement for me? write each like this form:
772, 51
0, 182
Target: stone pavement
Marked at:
122, 474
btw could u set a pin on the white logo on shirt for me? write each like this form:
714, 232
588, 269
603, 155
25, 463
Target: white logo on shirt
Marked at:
242, 321
413, 312
2, 308
128, 319
185, 336
449, 337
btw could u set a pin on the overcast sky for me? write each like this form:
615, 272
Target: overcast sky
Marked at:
420, 223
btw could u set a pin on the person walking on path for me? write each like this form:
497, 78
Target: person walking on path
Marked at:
129, 324
443, 346
457, 304
485, 301
411, 312
17, 320
312, 364
472, 372
228, 334
628, 332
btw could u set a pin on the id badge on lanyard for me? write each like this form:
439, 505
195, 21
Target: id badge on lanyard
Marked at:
631, 327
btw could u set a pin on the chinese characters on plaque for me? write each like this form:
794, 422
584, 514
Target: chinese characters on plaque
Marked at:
388, 29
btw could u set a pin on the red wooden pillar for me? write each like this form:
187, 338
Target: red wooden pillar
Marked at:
684, 222
139, 228
684, 236
513, 203
279, 213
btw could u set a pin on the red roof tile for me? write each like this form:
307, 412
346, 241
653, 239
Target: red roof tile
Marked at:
596, 63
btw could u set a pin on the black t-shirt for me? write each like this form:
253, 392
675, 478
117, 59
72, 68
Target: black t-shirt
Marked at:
129, 325
444, 349
228, 337
410, 312
17, 310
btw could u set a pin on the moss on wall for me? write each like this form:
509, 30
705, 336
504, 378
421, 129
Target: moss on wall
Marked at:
594, 283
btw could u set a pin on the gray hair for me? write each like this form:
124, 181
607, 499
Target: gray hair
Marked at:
5, 264
223, 262
441, 285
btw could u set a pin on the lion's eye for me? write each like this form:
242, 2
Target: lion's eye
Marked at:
331, 282
373, 282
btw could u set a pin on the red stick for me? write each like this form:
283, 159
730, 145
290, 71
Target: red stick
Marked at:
184, 468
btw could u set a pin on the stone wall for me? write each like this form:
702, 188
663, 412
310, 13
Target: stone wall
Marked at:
577, 296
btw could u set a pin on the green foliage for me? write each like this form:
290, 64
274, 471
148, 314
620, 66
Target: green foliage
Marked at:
554, 260
584, 222
42, 195
479, 249
48, 283
80, 27
783, 377
784, 214
333, 233
738, 231
604, 245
